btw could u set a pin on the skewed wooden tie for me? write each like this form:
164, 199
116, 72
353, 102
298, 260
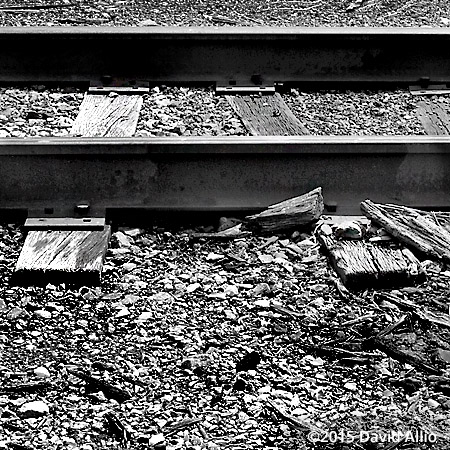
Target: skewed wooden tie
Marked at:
266, 115
109, 115
434, 118
62, 256
77, 256
361, 264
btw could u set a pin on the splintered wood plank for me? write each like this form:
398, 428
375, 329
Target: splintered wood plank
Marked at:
266, 115
111, 115
289, 214
62, 256
361, 264
434, 118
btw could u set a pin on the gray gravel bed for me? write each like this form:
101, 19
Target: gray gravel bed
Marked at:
357, 113
178, 111
174, 111
311, 13
37, 111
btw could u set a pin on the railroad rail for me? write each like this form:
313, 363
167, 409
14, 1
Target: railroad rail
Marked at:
55, 176
51, 177
229, 57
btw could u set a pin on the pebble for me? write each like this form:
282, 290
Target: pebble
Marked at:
41, 372
43, 314
123, 313
263, 303
145, 316
231, 290
128, 267
122, 239
193, 287
34, 409
214, 257
350, 386
433, 403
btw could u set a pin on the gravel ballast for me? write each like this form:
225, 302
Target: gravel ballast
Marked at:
182, 111
328, 13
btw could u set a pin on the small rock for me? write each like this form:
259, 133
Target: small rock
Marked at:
156, 439
350, 230
263, 303
444, 355
4, 133
445, 21
43, 314
145, 316
34, 409
14, 313
261, 288
227, 222
265, 259
433, 403
133, 232
231, 290
214, 257
128, 267
147, 23
351, 386
41, 372
193, 287
122, 240
123, 313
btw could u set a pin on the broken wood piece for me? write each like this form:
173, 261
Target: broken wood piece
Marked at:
404, 357
181, 425
393, 326
111, 115
435, 317
266, 115
200, 427
428, 232
289, 214
293, 421
434, 118
362, 265
117, 428
97, 384
62, 256
22, 388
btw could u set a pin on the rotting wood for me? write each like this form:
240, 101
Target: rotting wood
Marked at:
435, 317
289, 214
65, 256
361, 264
97, 384
414, 360
117, 428
434, 118
109, 115
428, 232
266, 115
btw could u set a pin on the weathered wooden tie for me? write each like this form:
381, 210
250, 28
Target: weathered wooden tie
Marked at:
266, 115
113, 115
361, 264
434, 118
62, 257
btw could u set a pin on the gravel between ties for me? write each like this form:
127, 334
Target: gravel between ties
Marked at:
178, 111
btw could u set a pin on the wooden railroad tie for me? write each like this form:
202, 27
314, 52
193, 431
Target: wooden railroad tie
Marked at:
266, 115
62, 257
361, 264
68, 256
434, 118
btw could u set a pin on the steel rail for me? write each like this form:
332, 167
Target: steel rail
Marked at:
220, 174
226, 56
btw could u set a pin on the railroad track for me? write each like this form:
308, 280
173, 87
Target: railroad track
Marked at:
72, 183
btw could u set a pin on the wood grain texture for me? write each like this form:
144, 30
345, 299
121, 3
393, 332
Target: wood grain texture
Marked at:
362, 265
62, 256
434, 118
266, 115
289, 214
107, 115
428, 232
